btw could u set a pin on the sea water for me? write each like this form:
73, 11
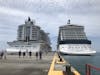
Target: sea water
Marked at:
79, 62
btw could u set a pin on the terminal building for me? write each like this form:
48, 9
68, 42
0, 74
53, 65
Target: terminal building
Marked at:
30, 37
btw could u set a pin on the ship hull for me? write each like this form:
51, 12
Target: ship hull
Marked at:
76, 49
77, 54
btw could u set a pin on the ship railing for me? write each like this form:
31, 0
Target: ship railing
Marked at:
89, 67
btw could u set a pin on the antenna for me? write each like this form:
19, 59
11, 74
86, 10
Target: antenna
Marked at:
68, 21
29, 19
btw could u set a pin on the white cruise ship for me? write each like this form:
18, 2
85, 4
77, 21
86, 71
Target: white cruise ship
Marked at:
72, 40
30, 37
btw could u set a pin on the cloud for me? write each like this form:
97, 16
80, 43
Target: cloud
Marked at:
13, 12
54, 6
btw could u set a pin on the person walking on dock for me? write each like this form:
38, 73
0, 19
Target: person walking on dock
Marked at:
24, 54
36, 55
2, 54
5, 54
19, 53
30, 54
40, 55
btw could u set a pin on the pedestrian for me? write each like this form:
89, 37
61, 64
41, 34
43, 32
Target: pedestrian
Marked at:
36, 55
19, 53
30, 54
5, 54
24, 54
40, 55
2, 54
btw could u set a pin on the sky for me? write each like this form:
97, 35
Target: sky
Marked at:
49, 15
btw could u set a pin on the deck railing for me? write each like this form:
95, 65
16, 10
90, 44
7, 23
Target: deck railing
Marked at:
89, 68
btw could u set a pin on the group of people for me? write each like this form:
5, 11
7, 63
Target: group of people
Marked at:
37, 54
24, 54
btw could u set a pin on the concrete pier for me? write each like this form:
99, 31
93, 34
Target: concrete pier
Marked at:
14, 65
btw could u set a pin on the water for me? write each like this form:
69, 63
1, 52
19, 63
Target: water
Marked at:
78, 62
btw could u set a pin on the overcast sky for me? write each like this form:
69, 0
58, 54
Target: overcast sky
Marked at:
49, 15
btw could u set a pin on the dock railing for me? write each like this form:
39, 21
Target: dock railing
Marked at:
61, 67
89, 67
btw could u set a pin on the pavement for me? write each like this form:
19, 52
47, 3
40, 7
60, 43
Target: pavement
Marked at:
14, 65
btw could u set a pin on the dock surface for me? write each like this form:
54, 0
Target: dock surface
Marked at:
14, 65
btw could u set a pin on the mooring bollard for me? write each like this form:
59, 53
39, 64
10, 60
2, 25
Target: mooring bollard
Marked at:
68, 69
59, 56
60, 59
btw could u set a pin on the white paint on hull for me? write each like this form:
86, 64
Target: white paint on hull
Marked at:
24, 48
76, 49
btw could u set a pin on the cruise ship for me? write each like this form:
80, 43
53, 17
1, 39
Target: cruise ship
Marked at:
30, 37
72, 40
